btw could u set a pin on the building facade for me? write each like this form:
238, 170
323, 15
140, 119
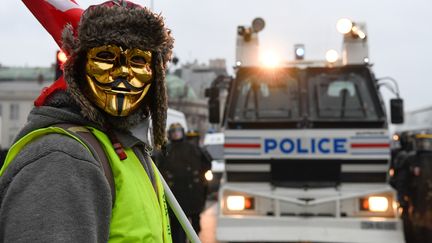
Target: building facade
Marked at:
199, 76
16, 101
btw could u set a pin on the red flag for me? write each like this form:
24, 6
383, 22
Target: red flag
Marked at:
55, 14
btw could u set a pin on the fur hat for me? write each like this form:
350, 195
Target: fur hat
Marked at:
129, 25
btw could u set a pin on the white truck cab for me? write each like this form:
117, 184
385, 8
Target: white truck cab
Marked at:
306, 150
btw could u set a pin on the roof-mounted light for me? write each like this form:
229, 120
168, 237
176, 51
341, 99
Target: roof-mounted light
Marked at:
358, 32
344, 25
332, 56
299, 51
269, 59
258, 24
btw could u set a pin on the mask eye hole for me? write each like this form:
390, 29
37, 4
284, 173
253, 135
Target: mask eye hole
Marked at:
138, 60
107, 55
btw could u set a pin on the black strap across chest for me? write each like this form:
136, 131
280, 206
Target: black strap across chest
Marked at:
98, 152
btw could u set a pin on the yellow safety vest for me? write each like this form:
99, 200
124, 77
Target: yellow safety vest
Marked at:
139, 213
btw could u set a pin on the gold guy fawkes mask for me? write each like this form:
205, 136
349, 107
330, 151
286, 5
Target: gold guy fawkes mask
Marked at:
118, 78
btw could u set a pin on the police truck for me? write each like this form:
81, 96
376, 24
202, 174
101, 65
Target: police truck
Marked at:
306, 146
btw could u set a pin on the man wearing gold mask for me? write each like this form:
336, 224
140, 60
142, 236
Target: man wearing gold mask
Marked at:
117, 79
75, 172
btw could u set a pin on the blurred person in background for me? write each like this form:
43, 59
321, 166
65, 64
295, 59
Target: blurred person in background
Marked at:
182, 165
194, 137
420, 209
401, 179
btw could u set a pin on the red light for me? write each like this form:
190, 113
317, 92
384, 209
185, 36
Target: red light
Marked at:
364, 204
249, 203
61, 56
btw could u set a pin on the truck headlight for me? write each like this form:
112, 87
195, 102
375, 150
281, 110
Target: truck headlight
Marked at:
374, 204
238, 203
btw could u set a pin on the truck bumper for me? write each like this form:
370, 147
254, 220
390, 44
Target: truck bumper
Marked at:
294, 229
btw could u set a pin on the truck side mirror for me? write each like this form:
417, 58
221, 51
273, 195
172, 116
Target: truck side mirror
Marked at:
396, 111
213, 104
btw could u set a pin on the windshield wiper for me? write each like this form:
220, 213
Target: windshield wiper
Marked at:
360, 99
344, 95
255, 92
253, 89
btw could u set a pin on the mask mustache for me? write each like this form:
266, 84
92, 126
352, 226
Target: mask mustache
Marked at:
117, 82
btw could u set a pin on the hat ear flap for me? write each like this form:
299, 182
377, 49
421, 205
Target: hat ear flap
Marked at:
159, 104
69, 41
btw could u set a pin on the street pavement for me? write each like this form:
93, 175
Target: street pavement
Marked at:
208, 223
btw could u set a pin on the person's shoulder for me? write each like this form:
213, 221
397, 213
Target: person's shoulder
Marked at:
411, 154
189, 145
56, 143
62, 146
401, 153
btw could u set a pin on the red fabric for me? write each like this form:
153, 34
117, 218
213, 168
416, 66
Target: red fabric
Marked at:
60, 84
55, 14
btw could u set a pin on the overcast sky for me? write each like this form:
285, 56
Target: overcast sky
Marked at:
400, 35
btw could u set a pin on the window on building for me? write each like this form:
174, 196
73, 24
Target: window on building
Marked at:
14, 112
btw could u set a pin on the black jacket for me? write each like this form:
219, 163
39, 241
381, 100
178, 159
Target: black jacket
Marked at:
183, 167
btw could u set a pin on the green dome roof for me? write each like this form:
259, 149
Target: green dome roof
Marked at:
178, 89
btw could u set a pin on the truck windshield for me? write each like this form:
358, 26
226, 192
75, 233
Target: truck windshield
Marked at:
341, 96
266, 96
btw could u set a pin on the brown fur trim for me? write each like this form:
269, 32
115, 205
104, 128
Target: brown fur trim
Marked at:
159, 105
137, 27
69, 42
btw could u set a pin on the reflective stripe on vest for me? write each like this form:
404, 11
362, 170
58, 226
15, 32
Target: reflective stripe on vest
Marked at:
139, 213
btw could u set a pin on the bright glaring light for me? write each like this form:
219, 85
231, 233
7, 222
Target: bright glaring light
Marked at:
332, 56
269, 59
395, 137
356, 30
378, 204
235, 203
300, 52
395, 205
209, 175
61, 56
238, 63
344, 25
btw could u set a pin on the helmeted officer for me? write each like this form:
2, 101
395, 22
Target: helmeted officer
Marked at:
401, 179
421, 206
183, 167
401, 168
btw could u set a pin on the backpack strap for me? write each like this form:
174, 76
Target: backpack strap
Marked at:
96, 148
